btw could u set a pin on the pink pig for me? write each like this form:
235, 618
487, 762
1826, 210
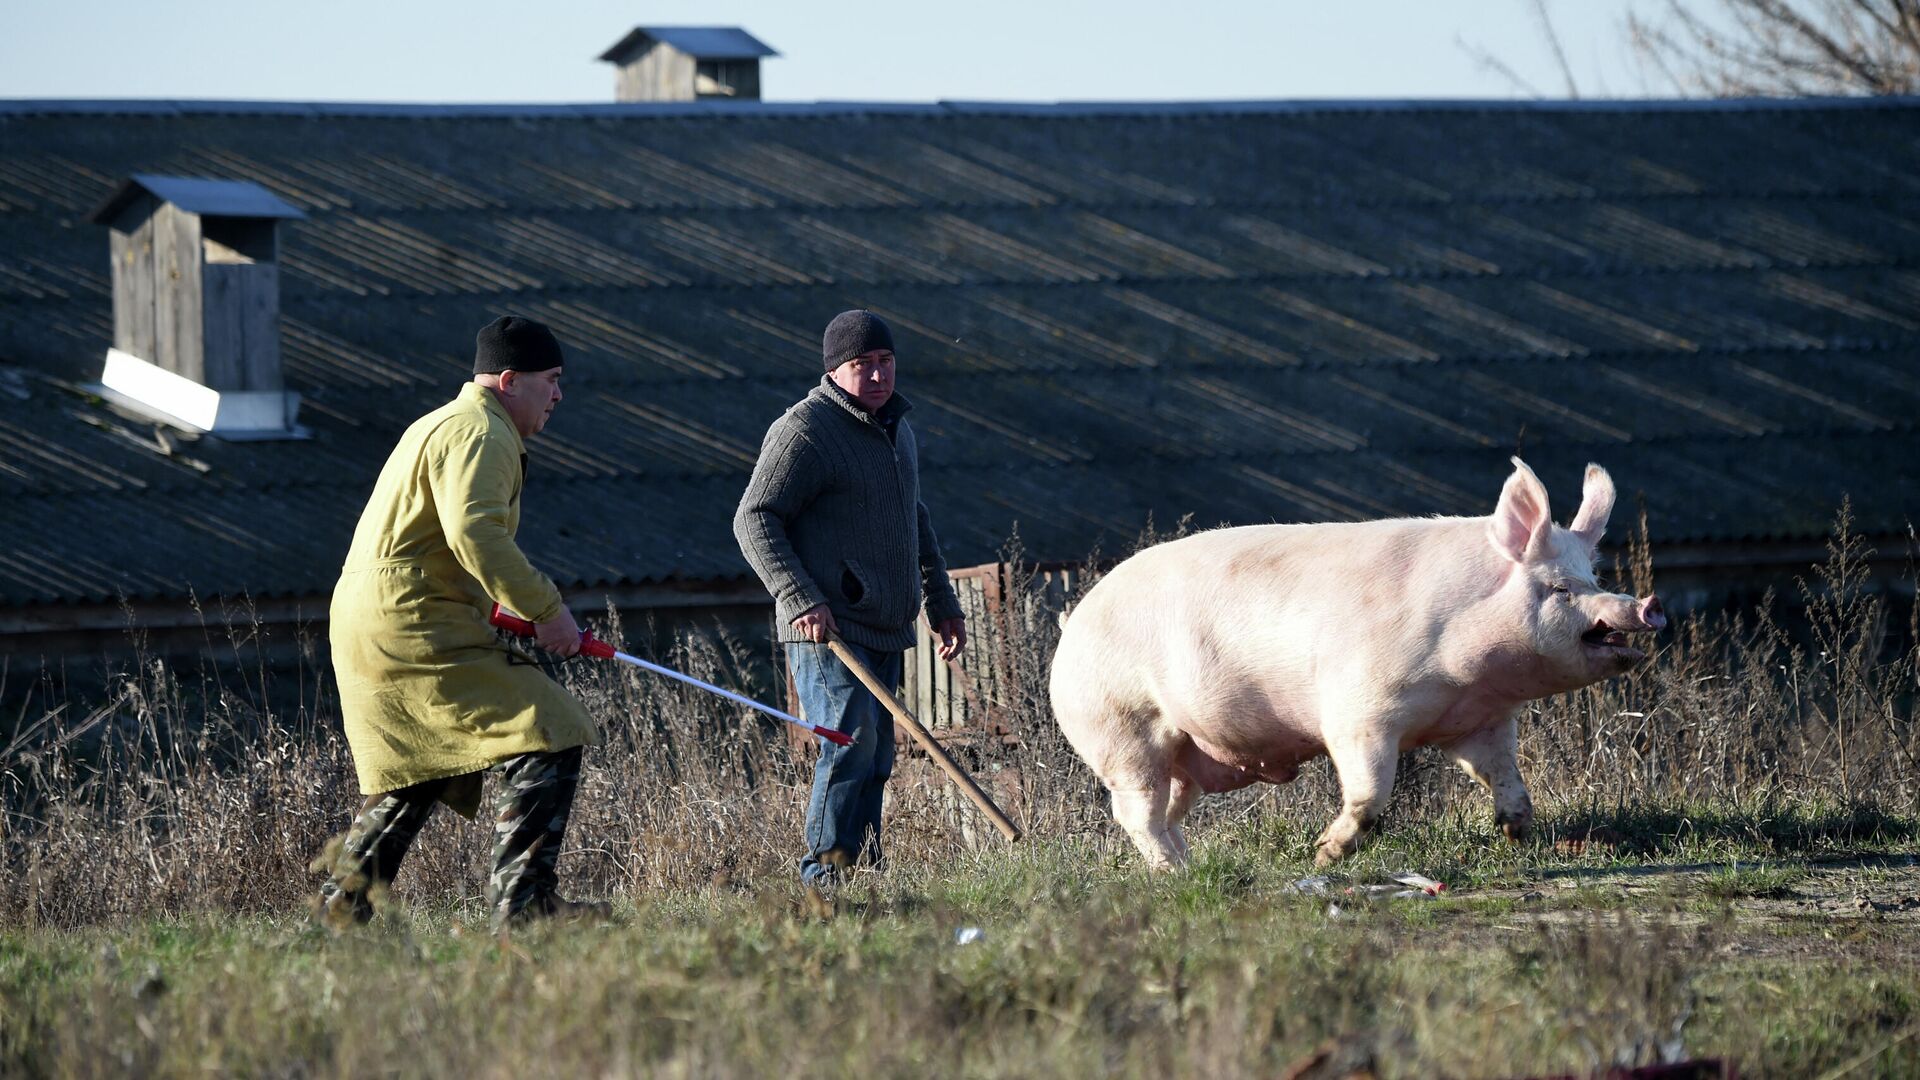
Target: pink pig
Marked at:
1232, 656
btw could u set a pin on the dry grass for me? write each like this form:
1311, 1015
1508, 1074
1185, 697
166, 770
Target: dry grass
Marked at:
189, 793
153, 889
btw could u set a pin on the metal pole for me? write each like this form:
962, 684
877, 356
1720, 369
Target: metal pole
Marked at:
826, 733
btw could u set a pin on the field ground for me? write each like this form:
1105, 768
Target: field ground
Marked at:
1786, 942
1728, 868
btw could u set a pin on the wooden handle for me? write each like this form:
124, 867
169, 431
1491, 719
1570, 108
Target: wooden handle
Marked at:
920, 735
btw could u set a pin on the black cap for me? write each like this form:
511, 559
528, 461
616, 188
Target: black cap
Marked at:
852, 333
511, 343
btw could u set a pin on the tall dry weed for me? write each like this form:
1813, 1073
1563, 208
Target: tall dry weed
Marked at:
204, 788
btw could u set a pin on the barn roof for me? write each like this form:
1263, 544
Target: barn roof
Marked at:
700, 42
197, 195
1243, 311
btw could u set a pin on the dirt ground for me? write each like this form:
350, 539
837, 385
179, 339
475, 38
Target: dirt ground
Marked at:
1825, 907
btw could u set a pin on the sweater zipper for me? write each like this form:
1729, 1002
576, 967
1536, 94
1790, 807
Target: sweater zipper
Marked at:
899, 479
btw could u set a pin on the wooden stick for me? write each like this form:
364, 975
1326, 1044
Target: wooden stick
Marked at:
920, 735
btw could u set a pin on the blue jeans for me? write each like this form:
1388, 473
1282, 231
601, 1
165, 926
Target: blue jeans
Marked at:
844, 811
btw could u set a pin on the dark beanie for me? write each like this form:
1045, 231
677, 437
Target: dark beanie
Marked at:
511, 343
852, 333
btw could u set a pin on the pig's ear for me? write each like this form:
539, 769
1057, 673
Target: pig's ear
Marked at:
1521, 514
1596, 505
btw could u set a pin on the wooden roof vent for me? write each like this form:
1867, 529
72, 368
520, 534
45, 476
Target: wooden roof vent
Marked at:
196, 304
687, 63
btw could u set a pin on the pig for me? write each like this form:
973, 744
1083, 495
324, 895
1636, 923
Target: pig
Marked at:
1232, 656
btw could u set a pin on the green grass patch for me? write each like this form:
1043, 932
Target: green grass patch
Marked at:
1081, 964
1763, 882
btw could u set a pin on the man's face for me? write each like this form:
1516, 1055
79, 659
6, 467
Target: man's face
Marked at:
868, 378
530, 398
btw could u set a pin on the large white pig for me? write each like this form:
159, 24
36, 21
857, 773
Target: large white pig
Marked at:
1232, 656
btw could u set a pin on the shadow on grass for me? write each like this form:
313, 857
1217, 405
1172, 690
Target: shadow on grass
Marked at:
1653, 832
1730, 867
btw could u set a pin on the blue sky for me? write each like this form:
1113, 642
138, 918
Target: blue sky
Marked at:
1036, 50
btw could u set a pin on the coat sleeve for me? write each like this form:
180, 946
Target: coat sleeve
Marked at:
786, 478
473, 479
942, 602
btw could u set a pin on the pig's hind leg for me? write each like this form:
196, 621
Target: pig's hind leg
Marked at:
1366, 767
1197, 770
1491, 757
1180, 800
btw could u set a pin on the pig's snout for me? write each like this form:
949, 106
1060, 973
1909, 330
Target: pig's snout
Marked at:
1652, 614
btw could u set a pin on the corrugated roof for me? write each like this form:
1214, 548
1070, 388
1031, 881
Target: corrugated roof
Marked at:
1291, 312
1065, 109
198, 195
702, 42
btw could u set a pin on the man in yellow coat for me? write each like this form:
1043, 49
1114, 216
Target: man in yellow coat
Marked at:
429, 697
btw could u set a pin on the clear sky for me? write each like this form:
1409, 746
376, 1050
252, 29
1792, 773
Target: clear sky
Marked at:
862, 50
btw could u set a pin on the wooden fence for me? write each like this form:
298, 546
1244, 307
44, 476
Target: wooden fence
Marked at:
965, 701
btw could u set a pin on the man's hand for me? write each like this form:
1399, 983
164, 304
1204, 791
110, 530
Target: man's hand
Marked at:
559, 635
816, 623
953, 637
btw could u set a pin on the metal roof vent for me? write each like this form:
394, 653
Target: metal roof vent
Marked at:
196, 305
687, 63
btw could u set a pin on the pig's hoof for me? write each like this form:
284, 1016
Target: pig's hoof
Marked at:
1516, 828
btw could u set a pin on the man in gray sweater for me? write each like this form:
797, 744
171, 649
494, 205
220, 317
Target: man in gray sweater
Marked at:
833, 523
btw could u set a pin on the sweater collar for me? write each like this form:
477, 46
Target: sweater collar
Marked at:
474, 392
896, 406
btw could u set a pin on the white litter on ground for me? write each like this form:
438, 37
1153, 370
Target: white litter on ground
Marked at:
1402, 885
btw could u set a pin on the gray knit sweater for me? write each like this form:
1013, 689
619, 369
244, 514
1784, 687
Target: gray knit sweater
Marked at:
833, 516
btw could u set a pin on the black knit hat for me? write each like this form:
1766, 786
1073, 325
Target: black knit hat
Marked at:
511, 343
852, 333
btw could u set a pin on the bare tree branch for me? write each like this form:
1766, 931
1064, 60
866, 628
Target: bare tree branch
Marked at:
1854, 62
1772, 47
1651, 48
1486, 61
1547, 31
1907, 18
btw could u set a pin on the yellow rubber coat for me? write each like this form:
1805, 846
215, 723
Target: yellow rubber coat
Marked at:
426, 690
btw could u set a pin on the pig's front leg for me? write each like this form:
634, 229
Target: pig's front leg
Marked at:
1491, 756
1143, 814
1365, 763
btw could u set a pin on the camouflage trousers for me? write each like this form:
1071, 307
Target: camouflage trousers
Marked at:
530, 820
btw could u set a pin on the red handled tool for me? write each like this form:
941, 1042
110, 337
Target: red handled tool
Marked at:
594, 647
